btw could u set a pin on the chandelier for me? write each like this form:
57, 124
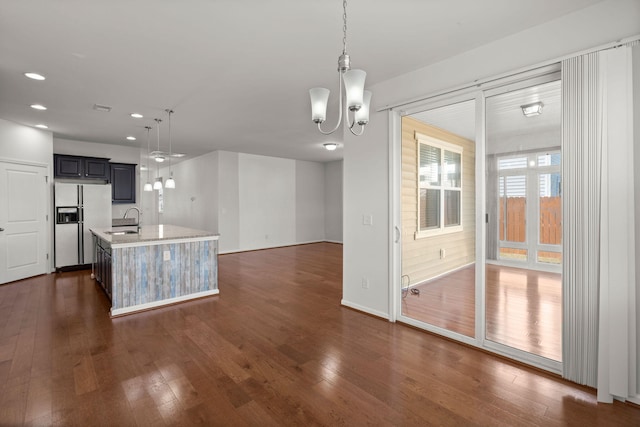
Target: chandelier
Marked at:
357, 99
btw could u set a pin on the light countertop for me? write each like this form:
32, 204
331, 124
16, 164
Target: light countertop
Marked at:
152, 233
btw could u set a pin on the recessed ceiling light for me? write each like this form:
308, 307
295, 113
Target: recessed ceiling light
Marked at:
330, 146
137, 115
42, 126
131, 138
38, 107
34, 76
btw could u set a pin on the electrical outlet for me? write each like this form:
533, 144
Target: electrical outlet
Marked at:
367, 219
365, 283
443, 253
167, 255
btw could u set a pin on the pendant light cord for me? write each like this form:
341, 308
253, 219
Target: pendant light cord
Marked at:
158, 166
148, 128
170, 149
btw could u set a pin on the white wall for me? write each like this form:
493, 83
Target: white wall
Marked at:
366, 188
333, 201
229, 199
115, 153
310, 201
194, 201
24, 143
267, 202
253, 202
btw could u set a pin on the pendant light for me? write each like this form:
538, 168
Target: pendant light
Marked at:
148, 186
157, 185
357, 99
170, 183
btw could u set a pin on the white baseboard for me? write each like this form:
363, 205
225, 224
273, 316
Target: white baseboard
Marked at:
365, 309
634, 399
155, 304
235, 251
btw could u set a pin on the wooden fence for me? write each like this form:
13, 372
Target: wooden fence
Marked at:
550, 220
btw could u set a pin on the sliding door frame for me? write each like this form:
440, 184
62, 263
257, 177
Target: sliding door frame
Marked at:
478, 93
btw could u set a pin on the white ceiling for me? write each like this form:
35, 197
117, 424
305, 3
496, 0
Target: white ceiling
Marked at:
507, 129
236, 73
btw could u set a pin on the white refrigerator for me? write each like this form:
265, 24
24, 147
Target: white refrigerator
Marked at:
78, 208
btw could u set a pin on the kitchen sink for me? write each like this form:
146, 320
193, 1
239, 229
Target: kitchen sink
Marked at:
121, 232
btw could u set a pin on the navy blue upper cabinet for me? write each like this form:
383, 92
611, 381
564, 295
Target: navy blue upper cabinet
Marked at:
96, 168
123, 183
66, 166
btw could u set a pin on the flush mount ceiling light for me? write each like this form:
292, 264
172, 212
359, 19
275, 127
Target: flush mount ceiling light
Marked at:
131, 138
158, 156
38, 107
161, 156
148, 186
42, 126
357, 99
34, 76
136, 115
170, 183
330, 146
534, 109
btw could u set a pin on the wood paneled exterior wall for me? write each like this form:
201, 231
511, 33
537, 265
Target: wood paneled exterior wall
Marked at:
421, 257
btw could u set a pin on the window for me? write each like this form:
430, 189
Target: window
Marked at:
439, 186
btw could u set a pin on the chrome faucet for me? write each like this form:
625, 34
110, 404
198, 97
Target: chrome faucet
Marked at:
134, 208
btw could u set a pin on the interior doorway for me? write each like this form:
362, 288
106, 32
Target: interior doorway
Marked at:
23, 221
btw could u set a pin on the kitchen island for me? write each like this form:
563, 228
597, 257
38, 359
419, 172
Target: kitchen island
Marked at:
155, 265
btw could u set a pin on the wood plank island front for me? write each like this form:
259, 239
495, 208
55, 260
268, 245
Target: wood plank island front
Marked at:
154, 266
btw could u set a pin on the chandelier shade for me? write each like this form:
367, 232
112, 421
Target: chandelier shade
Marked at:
319, 100
362, 115
354, 87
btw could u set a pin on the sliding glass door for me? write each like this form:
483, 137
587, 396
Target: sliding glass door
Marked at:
523, 195
477, 203
438, 218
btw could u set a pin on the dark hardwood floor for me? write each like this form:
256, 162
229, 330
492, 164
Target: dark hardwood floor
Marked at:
274, 348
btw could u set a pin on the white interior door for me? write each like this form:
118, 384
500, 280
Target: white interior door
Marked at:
23, 222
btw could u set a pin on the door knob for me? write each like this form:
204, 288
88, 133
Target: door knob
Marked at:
1, 229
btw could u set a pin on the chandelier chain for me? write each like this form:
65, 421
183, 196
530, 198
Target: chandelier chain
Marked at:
344, 27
